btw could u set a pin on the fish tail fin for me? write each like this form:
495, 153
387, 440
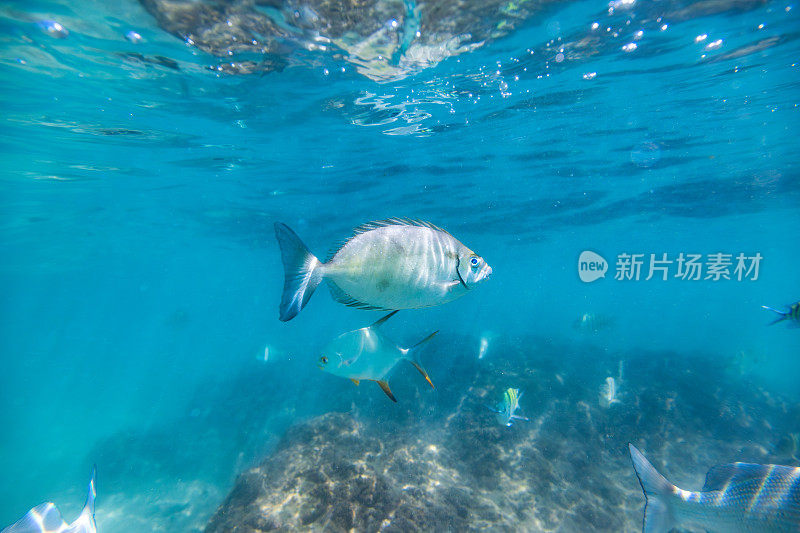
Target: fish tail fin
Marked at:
86, 518
783, 316
413, 357
658, 516
302, 272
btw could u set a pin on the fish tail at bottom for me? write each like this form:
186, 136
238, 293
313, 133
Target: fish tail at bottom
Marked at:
658, 516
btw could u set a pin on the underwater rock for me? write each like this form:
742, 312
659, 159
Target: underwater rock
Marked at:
334, 473
439, 461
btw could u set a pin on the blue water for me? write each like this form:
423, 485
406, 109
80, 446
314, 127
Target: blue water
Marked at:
140, 276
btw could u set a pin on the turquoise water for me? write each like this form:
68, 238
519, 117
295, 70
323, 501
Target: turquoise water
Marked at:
141, 277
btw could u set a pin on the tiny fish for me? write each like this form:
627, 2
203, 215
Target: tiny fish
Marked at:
368, 354
737, 497
273, 354
592, 323
792, 315
507, 406
609, 393
483, 346
46, 518
385, 265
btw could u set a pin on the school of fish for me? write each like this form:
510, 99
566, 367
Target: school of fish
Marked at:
402, 263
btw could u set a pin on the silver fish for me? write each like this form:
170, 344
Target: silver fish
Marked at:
46, 518
385, 265
507, 407
589, 323
368, 354
737, 497
483, 345
609, 393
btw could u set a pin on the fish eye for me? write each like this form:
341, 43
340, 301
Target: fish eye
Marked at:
323, 360
473, 261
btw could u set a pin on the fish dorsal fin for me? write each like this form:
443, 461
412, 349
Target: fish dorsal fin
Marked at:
369, 226
343, 298
381, 320
721, 476
396, 221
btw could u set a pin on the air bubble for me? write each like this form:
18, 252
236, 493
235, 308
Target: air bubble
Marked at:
53, 29
646, 154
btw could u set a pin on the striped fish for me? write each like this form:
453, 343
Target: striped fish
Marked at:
46, 518
507, 407
737, 497
385, 265
792, 315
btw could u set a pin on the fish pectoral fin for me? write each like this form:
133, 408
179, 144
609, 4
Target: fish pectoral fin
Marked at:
387, 390
354, 380
424, 374
342, 297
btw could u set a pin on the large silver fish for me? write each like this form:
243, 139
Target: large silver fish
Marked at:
385, 265
737, 497
45, 518
368, 354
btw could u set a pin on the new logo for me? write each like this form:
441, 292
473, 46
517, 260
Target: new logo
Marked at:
591, 266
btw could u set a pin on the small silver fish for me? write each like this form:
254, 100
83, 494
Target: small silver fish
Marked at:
737, 497
385, 265
368, 354
792, 315
507, 407
609, 393
273, 354
483, 345
592, 323
46, 518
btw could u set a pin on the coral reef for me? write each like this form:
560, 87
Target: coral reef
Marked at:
440, 462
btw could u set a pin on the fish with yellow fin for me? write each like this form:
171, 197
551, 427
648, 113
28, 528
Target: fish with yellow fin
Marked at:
507, 407
367, 354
